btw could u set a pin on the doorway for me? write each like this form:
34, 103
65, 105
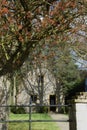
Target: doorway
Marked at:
52, 102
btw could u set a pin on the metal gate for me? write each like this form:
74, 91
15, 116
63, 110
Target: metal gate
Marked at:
30, 121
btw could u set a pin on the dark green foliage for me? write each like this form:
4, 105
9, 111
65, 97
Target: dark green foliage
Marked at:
42, 109
13, 110
78, 87
18, 110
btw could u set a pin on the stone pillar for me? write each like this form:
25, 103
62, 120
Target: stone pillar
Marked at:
78, 112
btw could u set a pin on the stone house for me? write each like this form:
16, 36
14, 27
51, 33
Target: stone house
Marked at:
40, 88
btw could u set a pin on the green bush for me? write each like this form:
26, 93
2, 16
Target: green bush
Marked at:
18, 110
21, 110
64, 110
42, 109
13, 110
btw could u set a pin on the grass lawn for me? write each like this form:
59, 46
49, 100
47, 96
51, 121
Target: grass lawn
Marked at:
34, 125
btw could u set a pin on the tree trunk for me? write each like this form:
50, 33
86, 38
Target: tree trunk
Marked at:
58, 95
4, 94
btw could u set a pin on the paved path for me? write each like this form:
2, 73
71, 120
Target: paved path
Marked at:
62, 125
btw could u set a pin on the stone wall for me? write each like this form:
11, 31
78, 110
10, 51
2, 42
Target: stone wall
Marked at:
78, 112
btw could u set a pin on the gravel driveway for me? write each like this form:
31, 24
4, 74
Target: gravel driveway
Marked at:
62, 125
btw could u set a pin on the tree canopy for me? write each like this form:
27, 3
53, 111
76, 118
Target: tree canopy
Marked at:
25, 23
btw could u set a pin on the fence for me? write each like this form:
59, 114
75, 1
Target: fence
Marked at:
30, 120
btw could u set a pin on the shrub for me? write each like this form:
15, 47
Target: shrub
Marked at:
13, 110
42, 109
18, 110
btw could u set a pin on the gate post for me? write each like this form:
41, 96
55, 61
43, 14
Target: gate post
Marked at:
30, 114
72, 116
78, 112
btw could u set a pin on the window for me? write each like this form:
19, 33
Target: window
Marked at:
33, 98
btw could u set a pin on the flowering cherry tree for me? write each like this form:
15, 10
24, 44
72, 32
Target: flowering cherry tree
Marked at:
23, 23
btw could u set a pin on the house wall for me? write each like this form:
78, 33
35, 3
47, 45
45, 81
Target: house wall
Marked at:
28, 88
